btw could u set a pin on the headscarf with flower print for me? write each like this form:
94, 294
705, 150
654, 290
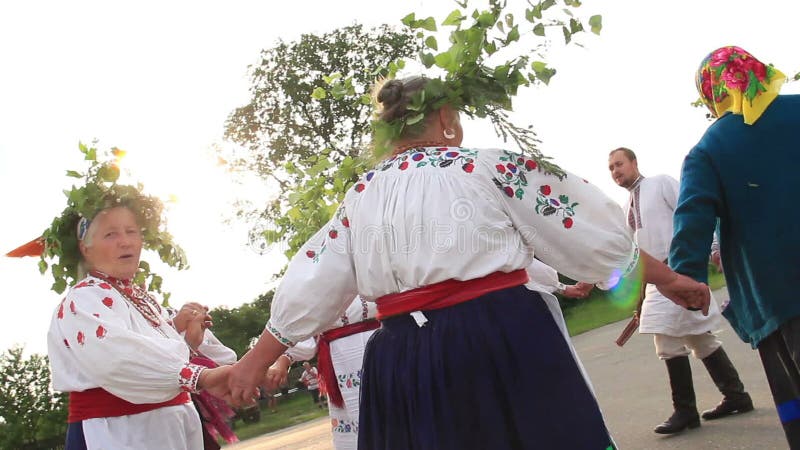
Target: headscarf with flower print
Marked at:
732, 80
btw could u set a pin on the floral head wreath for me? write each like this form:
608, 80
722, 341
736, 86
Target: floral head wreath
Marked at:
58, 244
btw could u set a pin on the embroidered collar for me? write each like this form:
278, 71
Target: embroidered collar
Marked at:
136, 295
636, 183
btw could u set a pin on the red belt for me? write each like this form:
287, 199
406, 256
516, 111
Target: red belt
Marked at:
324, 363
447, 293
97, 402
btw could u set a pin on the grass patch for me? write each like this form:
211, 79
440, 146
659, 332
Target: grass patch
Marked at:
716, 279
296, 409
594, 312
599, 309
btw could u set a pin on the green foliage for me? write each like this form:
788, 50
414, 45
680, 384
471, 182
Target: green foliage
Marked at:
237, 326
30, 413
307, 125
472, 83
99, 192
306, 135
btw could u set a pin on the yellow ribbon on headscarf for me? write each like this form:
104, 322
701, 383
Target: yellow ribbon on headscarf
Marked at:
731, 80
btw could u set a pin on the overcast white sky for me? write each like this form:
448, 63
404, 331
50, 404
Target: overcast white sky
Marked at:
159, 78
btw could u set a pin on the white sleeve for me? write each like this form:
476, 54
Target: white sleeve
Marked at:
215, 350
95, 326
568, 223
669, 190
543, 278
303, 350
318, 286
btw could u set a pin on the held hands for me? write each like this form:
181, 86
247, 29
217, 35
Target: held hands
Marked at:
191, 312
193, 318
215, 381
578, 290
278, 373
686, 292
243, 383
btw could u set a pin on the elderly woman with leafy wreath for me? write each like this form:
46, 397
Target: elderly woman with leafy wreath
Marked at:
122, 356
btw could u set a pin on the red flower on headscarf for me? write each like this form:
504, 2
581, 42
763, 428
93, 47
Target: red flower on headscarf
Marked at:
705, 85
723, 55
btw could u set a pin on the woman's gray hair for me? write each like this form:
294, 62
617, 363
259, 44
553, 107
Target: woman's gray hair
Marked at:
394, 96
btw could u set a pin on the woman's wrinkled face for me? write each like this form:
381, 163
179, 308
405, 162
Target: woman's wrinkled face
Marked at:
113, 243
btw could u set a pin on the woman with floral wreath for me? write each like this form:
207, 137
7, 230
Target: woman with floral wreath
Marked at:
123, 358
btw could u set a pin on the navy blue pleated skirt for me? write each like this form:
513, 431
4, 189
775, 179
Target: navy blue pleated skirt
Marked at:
491, 373
75, 439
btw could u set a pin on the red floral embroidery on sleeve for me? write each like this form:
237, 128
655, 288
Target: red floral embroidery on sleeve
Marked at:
81, 338
189, 375
100, 332
108, 301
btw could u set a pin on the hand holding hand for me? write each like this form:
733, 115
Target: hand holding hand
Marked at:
573, 292
191, 312
243, 384
686, 292
215, 381
278, 373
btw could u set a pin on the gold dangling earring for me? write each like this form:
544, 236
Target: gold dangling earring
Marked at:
448, 133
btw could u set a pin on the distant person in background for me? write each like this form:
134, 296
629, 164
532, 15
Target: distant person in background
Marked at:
340, 355
676, 331
744, 173
310, 379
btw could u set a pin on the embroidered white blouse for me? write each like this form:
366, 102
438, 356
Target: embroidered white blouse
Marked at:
358, 311
98, 339
432, 214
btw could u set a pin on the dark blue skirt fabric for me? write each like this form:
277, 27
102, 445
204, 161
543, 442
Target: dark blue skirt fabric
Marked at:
491, 373
75, 439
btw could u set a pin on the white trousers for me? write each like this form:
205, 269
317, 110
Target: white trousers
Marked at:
700, 345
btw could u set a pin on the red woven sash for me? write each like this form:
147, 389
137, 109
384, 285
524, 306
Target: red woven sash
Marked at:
447, 293
327, 375
97, 402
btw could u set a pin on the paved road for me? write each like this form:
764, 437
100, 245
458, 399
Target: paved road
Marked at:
632, 389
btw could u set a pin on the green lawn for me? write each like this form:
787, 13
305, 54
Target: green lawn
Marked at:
295, 409
602, 308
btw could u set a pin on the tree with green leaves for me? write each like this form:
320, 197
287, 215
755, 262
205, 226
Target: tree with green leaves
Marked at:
304, 137
237, 326
309, 120
30, 413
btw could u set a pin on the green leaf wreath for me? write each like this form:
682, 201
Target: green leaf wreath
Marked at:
471, 84
99, 192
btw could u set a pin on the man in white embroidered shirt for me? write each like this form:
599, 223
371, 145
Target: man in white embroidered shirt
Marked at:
310, 378
676, 331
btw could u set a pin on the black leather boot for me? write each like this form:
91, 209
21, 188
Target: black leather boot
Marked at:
725, 376
680, 380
